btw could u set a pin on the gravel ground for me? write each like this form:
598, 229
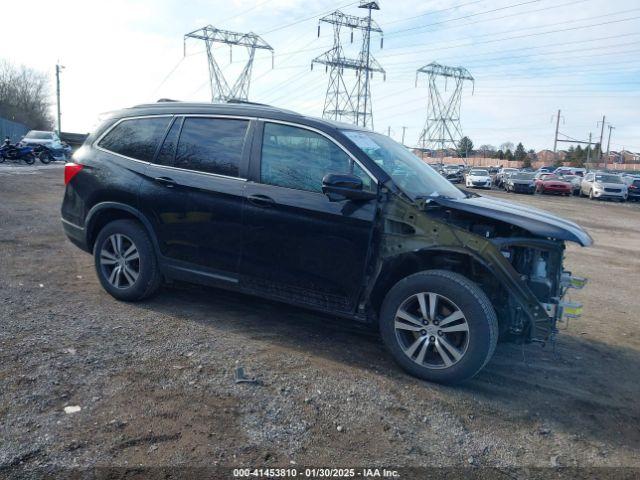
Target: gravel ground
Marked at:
155, 380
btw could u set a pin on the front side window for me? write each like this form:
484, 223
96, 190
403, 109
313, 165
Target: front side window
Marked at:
136, 138
297, 158
211, 145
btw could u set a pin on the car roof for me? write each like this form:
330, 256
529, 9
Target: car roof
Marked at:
237, 108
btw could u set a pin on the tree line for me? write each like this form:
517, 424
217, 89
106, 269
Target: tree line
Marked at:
507, 151
24, 96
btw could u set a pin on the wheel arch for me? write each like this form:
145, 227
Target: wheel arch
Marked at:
105, 212
457, 260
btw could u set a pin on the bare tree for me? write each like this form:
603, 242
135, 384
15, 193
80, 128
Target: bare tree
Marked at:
24, 96
507, 146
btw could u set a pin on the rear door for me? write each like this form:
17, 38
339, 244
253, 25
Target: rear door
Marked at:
194, 191
299, 246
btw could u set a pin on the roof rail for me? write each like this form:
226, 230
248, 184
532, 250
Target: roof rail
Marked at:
246, 102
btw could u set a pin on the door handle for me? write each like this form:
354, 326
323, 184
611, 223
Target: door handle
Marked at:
261, 200
166, 181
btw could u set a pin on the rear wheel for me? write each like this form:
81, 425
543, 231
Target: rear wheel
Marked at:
45, 157
30, 159
439, 326
126, 262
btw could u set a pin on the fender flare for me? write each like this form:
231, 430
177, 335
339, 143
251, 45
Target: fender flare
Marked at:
101, 207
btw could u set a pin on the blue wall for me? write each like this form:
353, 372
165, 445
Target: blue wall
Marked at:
14, 130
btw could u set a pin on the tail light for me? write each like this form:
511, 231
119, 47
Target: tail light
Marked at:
71, 170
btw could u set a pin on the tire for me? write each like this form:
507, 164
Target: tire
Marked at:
455, 293
45, 157
109, 256
30, 159
591, 197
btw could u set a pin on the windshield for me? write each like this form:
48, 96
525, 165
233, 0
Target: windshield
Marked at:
413, 176
479, 173
39, 135
608, 179
522, 176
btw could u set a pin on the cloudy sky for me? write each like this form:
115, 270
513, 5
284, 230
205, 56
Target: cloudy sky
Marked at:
529, 58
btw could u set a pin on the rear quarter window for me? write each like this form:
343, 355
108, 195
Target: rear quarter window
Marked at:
137, 138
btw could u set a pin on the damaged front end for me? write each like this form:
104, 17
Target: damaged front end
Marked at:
514, 254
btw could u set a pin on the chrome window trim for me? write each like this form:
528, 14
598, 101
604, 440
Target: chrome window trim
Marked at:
170, 115
326, 135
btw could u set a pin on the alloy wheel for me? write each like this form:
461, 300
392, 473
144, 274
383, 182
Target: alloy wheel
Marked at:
120, 261
431, 330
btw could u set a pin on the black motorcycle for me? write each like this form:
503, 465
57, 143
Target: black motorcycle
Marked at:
44, 154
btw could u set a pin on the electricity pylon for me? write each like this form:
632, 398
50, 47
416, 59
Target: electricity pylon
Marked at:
350, 103
442, 127
220, 90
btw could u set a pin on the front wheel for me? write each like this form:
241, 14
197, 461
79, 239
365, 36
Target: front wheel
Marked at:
126, 262
439, 326
30, 159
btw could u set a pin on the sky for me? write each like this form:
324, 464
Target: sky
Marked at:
529, 58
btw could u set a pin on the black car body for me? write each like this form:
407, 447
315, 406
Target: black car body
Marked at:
520, 182
633, 188
318, 214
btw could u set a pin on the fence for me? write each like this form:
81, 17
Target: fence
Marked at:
14, 130
495, 162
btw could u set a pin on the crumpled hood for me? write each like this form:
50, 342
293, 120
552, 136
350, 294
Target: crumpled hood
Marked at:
537, 222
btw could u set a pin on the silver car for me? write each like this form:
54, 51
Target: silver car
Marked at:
604, 185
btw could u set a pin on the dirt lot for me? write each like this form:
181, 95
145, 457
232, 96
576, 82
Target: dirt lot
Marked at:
155, 382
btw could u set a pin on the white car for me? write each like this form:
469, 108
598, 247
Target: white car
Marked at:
478, 178
59, 149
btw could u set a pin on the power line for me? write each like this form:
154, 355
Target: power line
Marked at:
474, 43
421, 27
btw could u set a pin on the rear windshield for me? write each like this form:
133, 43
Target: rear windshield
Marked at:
479, 173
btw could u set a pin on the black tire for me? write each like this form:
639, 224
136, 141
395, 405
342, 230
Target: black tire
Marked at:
45, 157
591, 197
480, 317
149, 277
30, 159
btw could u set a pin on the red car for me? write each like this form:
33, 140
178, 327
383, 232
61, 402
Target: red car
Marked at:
553, 184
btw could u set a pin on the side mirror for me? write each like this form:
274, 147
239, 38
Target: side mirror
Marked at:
339, 186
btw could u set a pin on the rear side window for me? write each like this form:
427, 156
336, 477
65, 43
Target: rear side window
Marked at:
136, 138
211, 145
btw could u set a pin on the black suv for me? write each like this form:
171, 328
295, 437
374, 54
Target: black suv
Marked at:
315, 213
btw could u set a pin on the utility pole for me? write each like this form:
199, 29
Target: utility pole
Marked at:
404, 130
589, 150
555, 138
606, 159
367, 32
58, 68
601, 138
388, 131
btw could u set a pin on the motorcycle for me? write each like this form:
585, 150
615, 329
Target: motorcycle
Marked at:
43, 154
16, 153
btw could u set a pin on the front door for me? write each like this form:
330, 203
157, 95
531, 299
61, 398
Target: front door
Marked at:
299, 246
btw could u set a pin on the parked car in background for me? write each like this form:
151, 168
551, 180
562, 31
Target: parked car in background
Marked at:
478, 178
520, 182
633, 187
453, 173
546, 169
575, 181
604, 185
318, 214
58, 149
550, 183
570, 171
499, 179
